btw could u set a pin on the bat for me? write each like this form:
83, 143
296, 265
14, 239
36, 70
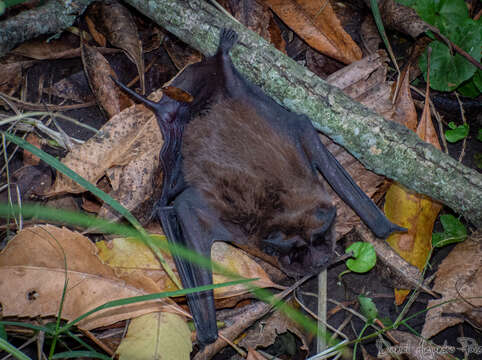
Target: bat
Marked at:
238, 167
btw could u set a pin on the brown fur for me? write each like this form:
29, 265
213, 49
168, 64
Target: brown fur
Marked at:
252, 175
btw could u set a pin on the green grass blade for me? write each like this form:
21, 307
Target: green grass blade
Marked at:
5, 345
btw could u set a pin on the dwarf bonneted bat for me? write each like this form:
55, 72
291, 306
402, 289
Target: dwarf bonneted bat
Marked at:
239, 167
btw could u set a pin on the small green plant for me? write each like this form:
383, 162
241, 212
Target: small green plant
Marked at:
454, 231
456, 133
368, 308
450, 70
479, 135
364, 257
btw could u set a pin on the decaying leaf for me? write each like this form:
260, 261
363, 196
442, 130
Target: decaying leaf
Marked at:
317, 24
62, 48
97, 36
99, 73
459, 278
131, 259
74, 87
121, 31
156, 336
40, 261
258, 18
139, 180
116, 144
264, 334
180, 54
406, 208
12, 74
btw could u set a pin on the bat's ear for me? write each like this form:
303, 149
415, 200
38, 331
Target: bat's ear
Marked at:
326, 216
141, 98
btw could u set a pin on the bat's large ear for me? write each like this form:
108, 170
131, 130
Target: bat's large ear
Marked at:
326, 216
153, 105
167, 109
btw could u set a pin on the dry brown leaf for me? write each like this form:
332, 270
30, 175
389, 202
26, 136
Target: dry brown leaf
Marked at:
28, 157
121, 31
74, 87
254, 355
12, 75
180, 54
136, 183
258, 18
99, 73
115, 145
132, 260
459, 277
62, 48
399, 17
33, 273
28, 181
97, 36
370, 35
264, 334
318, 25
404, 109
404, 207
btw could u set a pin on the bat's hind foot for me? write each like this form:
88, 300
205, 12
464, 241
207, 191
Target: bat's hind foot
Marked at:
228, 38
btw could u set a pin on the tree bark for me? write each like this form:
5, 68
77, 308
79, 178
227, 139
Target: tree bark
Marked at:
51, 18
382, 146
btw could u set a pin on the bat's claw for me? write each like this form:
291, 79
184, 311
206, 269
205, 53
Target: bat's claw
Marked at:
227, 39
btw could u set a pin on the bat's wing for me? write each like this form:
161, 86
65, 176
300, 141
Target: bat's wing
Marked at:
345, 186
193, 225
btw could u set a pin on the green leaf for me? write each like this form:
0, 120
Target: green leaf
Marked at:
479, 134
368, 308
448, 71
5, 345
364, 255
454, 232
478, 79
457, 132
469, 89
442, 13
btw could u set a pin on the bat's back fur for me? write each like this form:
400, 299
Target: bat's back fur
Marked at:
252, 175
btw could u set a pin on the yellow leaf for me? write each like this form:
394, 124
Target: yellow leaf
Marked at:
156, 336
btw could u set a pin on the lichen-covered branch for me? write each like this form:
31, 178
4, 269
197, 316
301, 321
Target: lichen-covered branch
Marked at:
51, 18
382, 146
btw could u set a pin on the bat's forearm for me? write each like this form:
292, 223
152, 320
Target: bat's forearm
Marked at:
382, 146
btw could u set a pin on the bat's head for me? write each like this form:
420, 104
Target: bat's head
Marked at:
307, 250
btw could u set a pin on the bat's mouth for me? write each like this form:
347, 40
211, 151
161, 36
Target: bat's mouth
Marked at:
307, 259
